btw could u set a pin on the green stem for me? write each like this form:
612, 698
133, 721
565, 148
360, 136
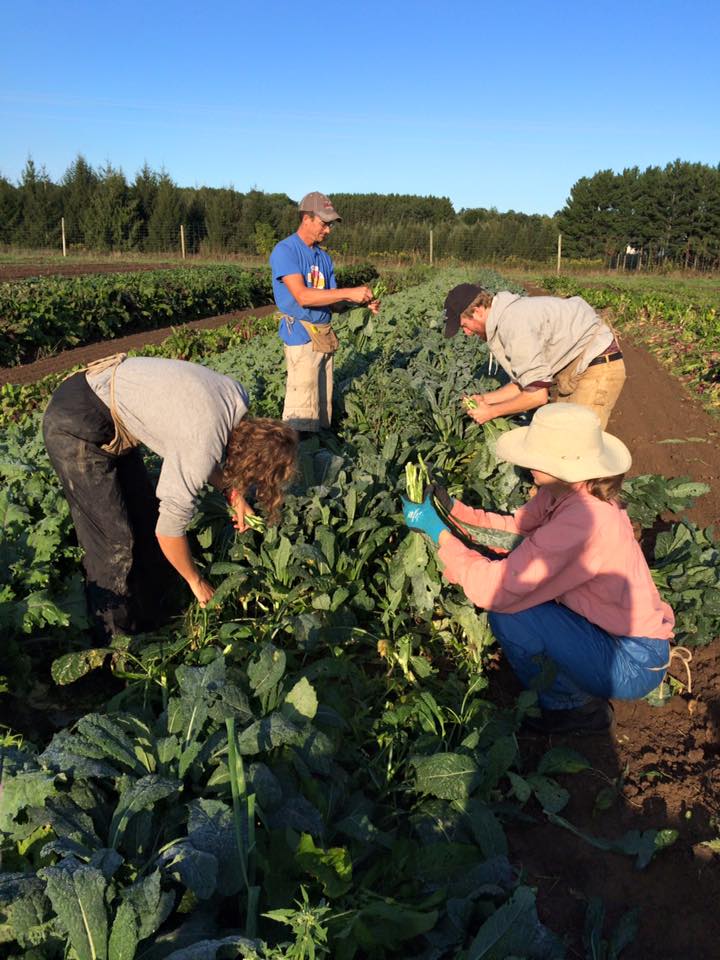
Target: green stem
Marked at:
244, 823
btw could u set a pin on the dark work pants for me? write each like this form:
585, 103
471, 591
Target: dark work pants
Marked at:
114, 509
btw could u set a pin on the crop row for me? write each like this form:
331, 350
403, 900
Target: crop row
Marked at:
20, 401
683, 333
42, 316
311, 766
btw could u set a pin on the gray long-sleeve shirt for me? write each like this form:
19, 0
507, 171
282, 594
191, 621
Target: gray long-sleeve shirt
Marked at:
532, 338
183, 412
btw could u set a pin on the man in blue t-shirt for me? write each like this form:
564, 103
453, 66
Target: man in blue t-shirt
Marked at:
303, 279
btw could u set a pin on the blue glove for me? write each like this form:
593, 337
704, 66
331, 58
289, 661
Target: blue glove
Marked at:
423, 517
442, 497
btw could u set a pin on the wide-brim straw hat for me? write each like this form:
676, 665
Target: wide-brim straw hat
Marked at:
566, 441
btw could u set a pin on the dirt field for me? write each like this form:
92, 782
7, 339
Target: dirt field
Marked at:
662, 762
30, 372
661, 765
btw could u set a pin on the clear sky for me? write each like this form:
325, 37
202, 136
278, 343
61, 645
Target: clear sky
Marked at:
502, 104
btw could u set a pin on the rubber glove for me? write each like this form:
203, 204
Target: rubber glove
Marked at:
442, 497
423, 517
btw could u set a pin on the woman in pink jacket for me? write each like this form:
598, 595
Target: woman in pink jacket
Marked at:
577, 590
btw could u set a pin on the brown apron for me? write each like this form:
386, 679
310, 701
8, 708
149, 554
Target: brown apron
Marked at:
123, 439
567, 379
324, 339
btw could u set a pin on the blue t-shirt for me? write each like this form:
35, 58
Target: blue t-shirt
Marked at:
293, 255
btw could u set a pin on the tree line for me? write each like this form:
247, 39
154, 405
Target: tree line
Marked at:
103, 211
656, 216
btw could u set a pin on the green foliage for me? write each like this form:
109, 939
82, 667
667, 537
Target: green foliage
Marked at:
672, 215
648, 496
314, 751
42, 587
643, 845
103, 211
687, 572
43, 315
265, 239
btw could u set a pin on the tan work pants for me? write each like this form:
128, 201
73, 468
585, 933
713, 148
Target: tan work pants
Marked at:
598, 388
308, 394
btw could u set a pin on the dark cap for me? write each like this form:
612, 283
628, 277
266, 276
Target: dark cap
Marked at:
456, 302
320, 205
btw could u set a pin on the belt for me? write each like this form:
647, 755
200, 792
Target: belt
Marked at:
606, 358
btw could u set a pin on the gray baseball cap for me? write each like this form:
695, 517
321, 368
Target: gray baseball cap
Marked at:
320, 205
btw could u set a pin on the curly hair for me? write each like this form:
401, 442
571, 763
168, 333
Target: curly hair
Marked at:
262, 453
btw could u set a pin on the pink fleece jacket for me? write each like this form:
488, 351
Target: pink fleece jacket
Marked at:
578, 550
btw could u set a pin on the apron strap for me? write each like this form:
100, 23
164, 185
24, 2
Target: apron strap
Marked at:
685, 657
123, 439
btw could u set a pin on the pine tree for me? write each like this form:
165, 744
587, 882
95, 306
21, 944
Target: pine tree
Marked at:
78, 186
111, 222
167, 215
9, 210
39, 208
144, 192
223, 212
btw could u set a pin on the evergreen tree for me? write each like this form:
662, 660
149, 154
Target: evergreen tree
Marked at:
670, 215
194, 218
39, 208
78, 187
167, 215
111, 222
648, 213
144, 192
223, 213
9, 210
256, 208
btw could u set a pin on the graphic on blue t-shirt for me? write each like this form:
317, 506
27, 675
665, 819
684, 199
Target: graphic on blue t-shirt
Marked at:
293, 255
315, 278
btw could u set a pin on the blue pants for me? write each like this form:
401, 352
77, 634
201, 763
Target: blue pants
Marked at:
590, 662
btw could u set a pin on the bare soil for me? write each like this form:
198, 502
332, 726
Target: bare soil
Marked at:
660, 768
30, 372
661, 762
667, 430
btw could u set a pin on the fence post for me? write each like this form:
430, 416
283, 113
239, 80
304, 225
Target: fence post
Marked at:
182, 240
62, 231
431, 246
559, 254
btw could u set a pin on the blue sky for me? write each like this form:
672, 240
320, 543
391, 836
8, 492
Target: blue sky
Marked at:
502, 104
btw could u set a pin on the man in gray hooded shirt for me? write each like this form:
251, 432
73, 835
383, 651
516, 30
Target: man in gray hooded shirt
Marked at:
546, 346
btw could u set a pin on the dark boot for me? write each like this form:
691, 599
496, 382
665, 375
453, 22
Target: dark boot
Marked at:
594, 716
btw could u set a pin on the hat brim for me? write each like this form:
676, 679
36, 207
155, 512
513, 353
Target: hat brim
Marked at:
613, 459
452, 325
331, 219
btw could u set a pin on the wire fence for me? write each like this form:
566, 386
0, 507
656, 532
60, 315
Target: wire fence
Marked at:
405, 243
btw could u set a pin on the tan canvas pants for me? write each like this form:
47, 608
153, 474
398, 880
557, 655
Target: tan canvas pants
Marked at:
598, 388
308, 394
